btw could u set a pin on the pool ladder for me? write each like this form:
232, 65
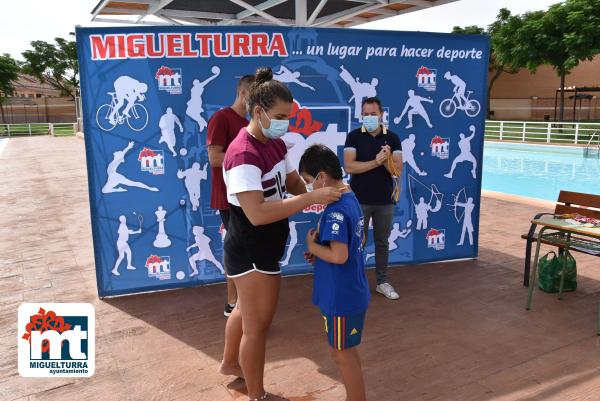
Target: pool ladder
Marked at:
591, 149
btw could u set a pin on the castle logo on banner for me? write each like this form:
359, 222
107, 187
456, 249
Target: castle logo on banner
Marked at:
427, 78
440, 147
152, 161
436, 239
169, 79
159, 267
56, 339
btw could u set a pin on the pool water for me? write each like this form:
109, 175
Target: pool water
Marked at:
538, 171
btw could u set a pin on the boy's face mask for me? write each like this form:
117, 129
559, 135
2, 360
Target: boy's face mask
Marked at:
310, 187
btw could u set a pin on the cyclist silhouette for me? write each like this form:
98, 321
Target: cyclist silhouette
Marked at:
460, 86
461, 99
127, 89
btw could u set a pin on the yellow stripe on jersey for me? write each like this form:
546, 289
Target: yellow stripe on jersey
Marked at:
339, 333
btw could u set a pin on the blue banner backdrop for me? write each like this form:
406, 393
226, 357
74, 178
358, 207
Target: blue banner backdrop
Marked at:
148, 93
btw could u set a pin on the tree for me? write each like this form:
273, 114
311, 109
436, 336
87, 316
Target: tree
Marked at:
498, 64
562, 37
55, 64
9, 72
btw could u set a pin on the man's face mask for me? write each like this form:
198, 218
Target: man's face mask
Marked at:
371, 123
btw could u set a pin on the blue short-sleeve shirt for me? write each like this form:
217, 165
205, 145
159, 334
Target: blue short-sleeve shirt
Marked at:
342, 289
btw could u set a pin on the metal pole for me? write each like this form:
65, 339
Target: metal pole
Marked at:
534, 268
555, 103
564, 265
501, 129
574, 104
576, 132
301, 13
80, 115
46, 109
549, 131
76, 107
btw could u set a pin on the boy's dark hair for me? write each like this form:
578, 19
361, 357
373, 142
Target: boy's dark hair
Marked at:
371, 100
265, 91
246, 80
320, 158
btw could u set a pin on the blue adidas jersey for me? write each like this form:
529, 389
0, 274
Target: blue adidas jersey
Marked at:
342, 289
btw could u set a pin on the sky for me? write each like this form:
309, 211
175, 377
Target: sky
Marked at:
57, 18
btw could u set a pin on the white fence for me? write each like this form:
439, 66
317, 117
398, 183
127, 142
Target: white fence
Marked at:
522, 131
548, 132
54, 129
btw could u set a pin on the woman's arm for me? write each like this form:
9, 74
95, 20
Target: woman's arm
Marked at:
260, 212
294, 184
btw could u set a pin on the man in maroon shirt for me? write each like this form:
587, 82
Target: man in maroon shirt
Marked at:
223, 127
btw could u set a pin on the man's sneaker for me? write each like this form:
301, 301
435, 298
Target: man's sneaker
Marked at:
387, 290
228, 309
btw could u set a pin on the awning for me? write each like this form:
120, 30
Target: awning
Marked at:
308, 13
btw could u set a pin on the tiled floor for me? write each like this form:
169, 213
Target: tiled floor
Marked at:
459, 332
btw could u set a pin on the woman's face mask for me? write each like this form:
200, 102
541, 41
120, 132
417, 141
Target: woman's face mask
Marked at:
371, 123
277, 128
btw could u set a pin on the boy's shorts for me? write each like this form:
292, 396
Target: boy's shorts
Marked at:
344, 332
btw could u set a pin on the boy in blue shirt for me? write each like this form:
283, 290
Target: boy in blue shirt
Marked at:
341, 288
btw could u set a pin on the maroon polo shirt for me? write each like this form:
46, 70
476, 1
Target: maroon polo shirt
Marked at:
223, 127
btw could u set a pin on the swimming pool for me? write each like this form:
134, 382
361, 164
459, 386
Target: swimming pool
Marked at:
538, 171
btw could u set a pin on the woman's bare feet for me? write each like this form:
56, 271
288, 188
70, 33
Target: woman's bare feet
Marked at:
231, 370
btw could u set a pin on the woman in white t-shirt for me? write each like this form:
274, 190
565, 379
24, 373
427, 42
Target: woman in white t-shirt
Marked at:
258, 174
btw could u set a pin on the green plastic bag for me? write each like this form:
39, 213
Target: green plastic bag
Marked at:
551, 269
